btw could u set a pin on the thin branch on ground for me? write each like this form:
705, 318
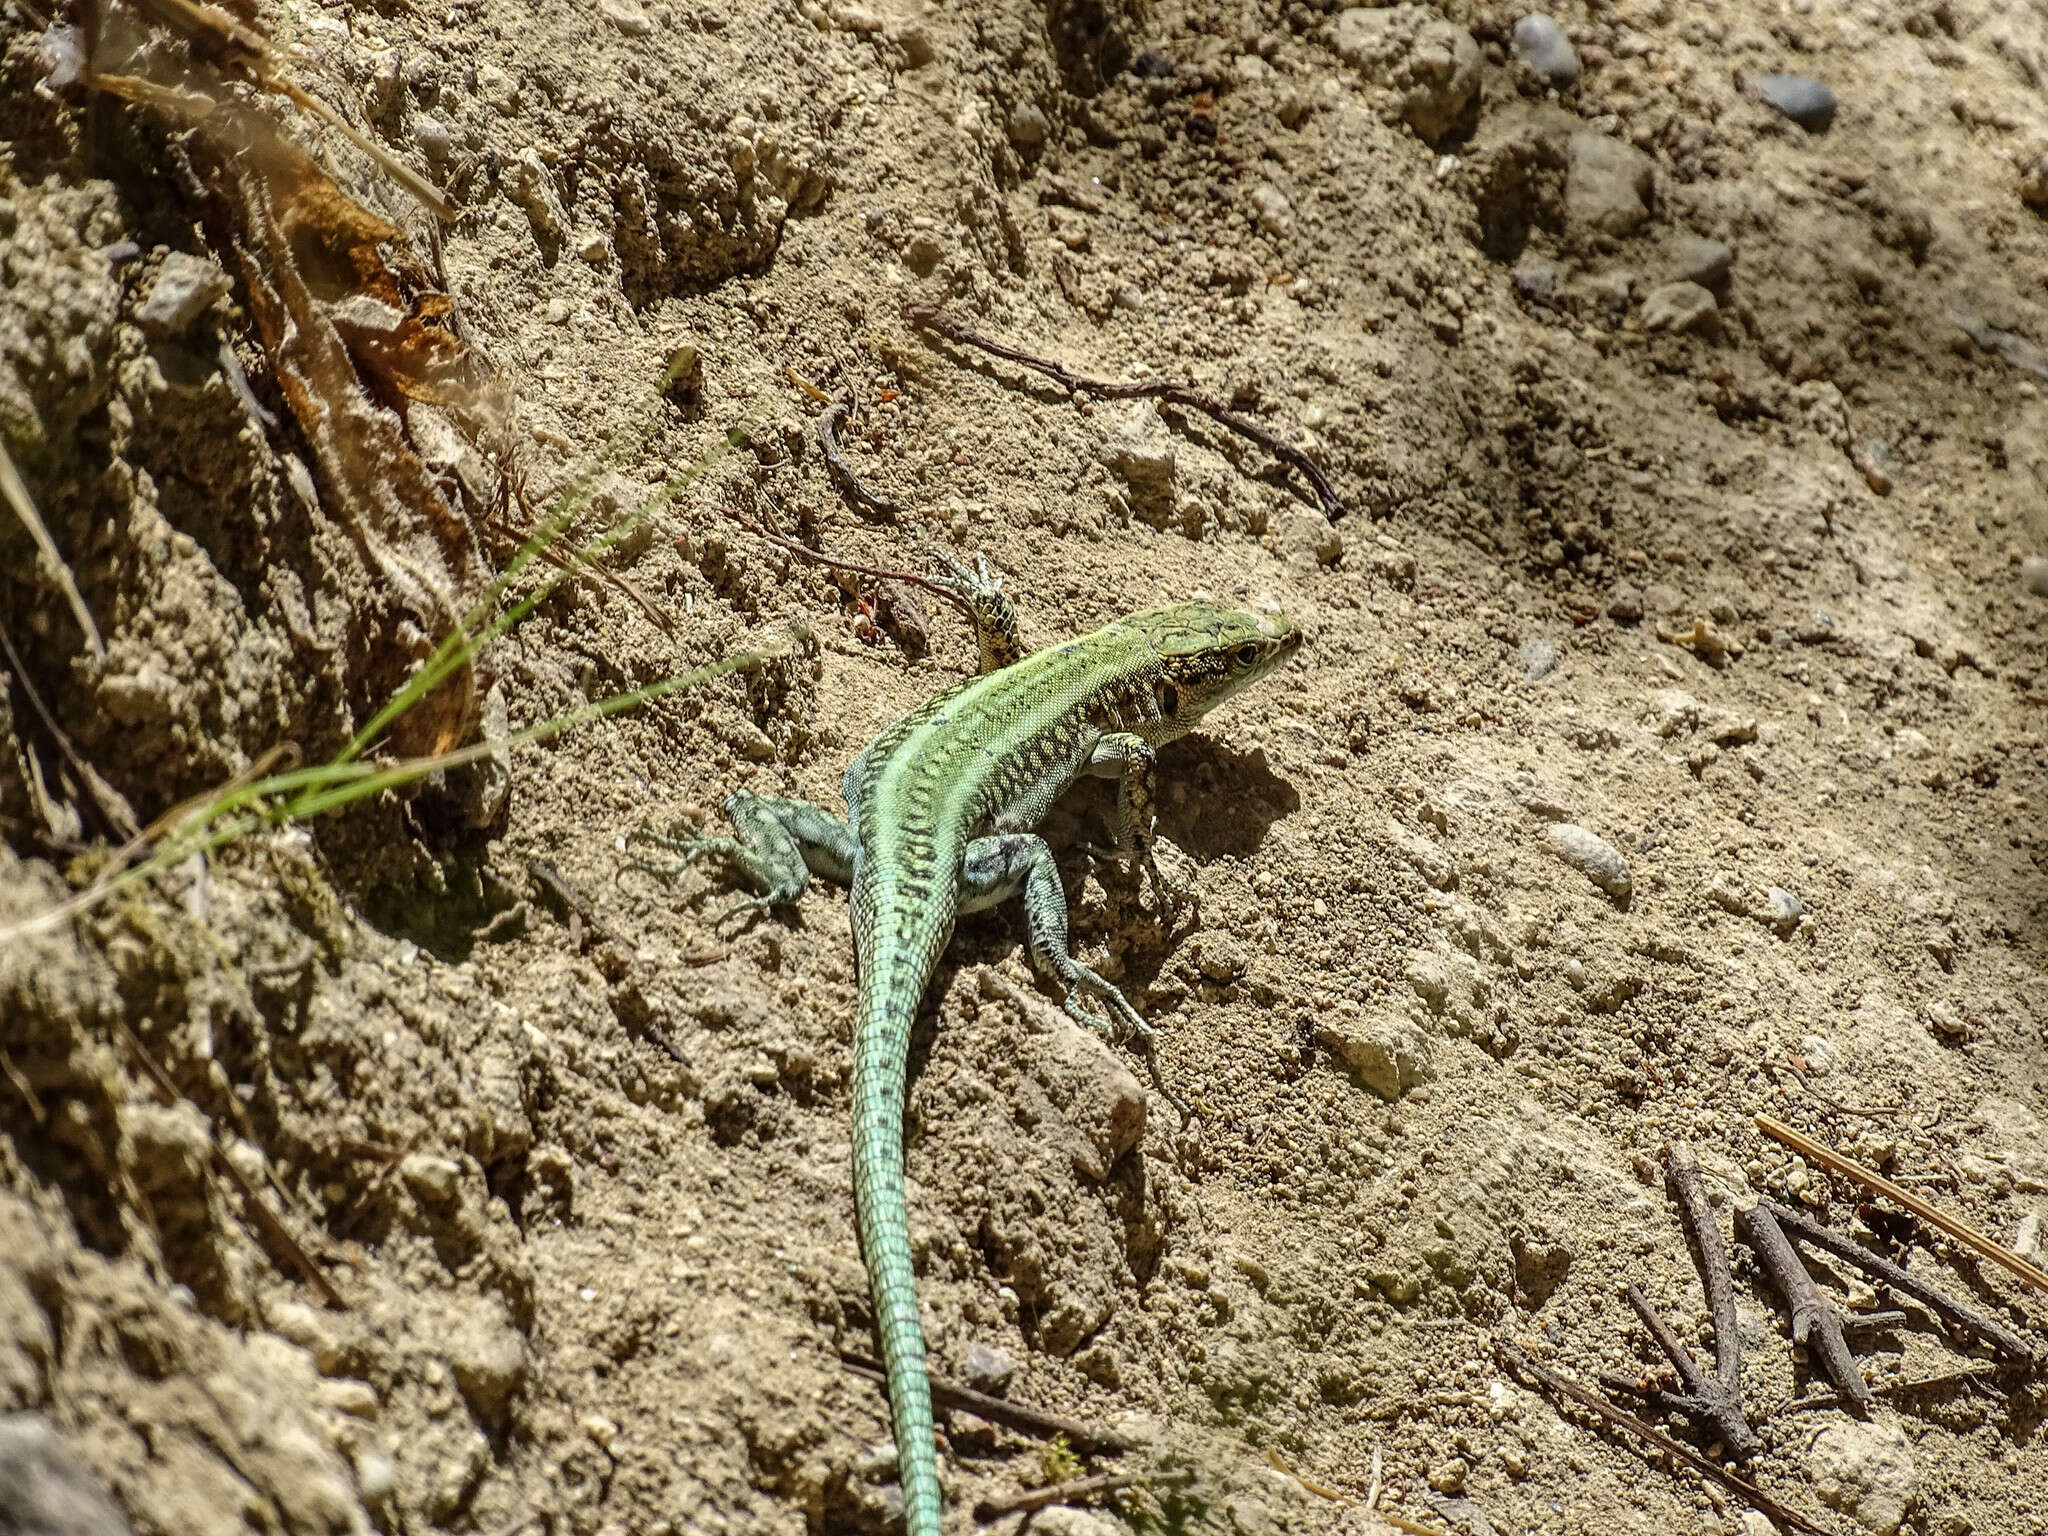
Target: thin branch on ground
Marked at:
842, 472
1815, 1322
1079, 1491
1908, 1388
1031, 1421
1957, 1314
1742, 1488
107, 800
14, 491
1933, 1215
1868, 1112
1714, 1401
931, 318
273, 1226
878, 573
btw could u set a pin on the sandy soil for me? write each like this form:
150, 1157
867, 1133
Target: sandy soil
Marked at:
1743, 578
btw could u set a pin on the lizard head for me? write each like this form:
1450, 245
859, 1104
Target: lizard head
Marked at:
1208, 652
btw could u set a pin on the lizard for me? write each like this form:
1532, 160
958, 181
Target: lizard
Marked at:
940, 812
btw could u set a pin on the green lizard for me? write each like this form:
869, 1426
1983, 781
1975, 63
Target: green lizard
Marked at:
940, 811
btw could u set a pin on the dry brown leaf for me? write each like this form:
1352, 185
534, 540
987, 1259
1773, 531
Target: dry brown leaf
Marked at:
355, 334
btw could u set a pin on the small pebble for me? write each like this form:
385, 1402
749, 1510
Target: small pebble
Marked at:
185, 288
1678, 307
600, 1429
1541, 44
989, 1369
1591, 856
1536, 281
1625, 605
2034, 575
1029, 126
1806, 101
1706, 262
1539, 659
435, 1180
1785, 908
1152, 64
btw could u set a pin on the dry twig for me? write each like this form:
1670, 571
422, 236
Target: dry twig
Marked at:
1957, 1314
107, 800
1715, 1400
1867, 1112
1079, 1490
1032, 1421
1742, 1488
931, 318
842, 472
273, 1226
1870, 1179
14, 491
1815, 1322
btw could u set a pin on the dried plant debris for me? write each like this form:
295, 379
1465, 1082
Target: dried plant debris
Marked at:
1769, 1219
404, 418
1714, 1400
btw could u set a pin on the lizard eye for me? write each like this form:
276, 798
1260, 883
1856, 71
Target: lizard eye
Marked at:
1247, 654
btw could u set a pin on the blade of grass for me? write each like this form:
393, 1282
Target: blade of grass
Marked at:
478, 627
330, 786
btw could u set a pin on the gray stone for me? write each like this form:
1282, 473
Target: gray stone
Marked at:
1430, 66
1536, 280
433, 1180
1706, 262
46, 1489
1028, 125
988, 1369
2034, 575
1625, 604
1783, 908
1541, 44
1678, 307
488, 1357
1538, 657
1592, 856
1609, 185
1806, 101
185, 288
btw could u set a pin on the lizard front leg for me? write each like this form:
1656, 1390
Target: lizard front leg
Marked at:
780, 845
995, 616
1129, 759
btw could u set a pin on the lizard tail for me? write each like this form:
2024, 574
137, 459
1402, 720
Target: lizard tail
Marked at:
880, 1053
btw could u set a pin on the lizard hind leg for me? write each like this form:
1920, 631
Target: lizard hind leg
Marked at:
779, 845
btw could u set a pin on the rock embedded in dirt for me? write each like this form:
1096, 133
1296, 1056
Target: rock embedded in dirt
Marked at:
1678, 308
46, 1489
1536, 280
1541, 44
1538, 657
1804, 100
1625, 604
1430, 67
1143, 454
1609, 185
2034, 574
1867, 1472
1706, 262
1783, 908
185, 288
988, 1369
1387, 1055
1029, 126
1592, 856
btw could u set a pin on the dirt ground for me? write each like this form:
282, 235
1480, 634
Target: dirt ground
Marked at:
1694, 469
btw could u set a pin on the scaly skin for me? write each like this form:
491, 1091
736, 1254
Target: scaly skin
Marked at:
940, 810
